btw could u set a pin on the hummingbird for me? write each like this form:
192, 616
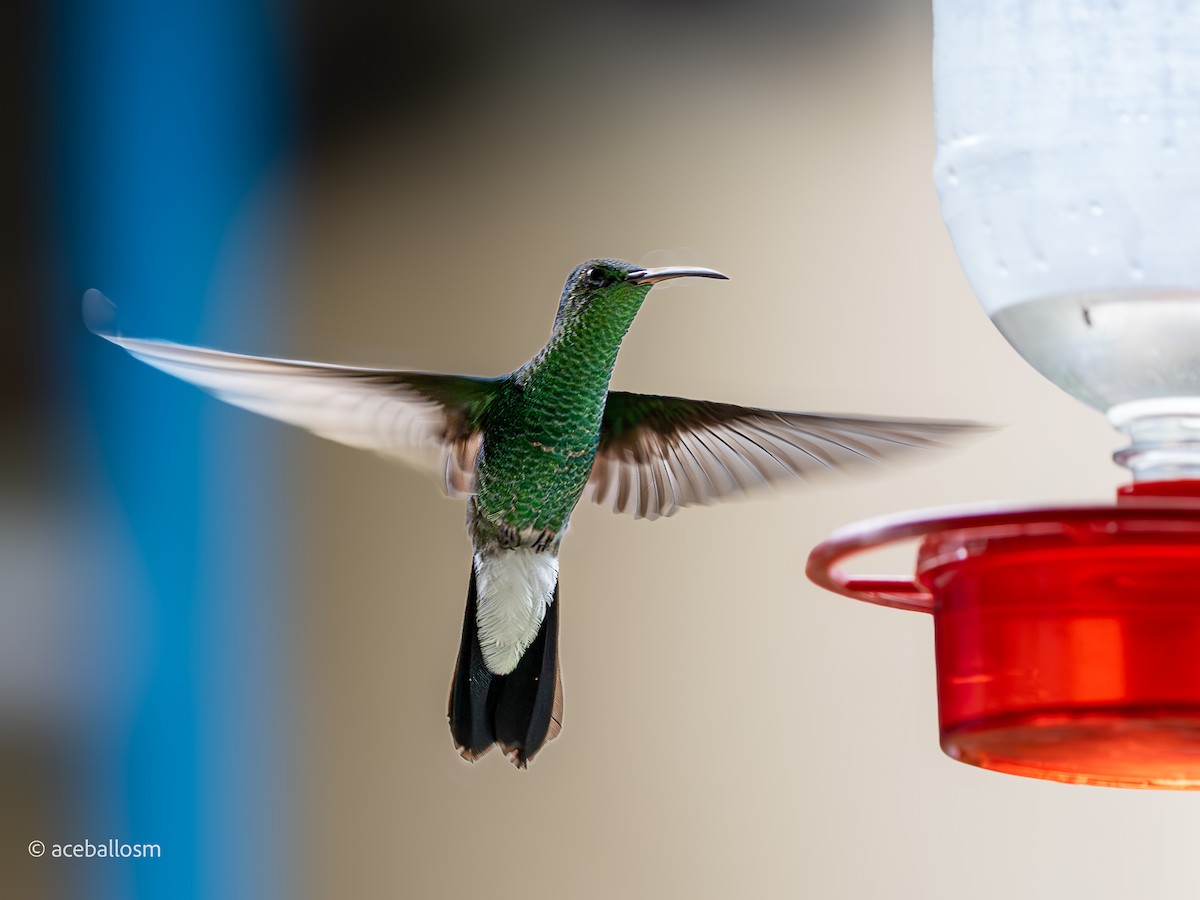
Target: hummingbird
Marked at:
523, 449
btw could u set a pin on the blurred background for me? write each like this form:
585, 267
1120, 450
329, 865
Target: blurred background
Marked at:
232, 639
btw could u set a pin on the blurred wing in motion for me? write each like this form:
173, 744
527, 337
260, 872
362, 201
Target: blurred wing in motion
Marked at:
659, 454
425, 419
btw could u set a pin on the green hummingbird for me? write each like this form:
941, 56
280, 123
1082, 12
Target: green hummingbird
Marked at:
523, 448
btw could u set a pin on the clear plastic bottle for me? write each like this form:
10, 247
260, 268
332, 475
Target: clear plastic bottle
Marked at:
1068, 167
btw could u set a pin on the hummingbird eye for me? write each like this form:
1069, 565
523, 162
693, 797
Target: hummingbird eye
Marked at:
595, 277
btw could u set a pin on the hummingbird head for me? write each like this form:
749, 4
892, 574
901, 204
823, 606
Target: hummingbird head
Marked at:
613, 284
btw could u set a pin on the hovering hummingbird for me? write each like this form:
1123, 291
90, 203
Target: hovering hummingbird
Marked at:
523, 448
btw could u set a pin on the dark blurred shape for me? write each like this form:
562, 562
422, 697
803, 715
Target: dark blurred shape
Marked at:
31, 772
362, 62
23, 388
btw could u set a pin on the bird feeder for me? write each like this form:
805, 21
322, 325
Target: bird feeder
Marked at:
1068, 637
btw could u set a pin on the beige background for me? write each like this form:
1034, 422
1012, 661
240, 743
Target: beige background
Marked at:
730, 729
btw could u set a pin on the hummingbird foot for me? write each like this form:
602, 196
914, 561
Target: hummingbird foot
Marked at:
508, 537
546, 539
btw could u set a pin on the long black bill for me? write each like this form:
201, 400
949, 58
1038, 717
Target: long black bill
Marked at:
654, 276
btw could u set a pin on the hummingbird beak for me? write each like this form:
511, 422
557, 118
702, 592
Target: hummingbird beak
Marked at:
654, 276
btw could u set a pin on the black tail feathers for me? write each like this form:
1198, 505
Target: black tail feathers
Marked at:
520, 711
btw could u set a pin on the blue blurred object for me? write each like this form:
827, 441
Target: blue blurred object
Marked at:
168, 116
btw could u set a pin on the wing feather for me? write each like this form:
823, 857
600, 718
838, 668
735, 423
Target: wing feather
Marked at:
660, 454
425, 419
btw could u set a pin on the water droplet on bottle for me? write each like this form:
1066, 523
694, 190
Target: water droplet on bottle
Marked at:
1095, 210
1143, 117
1093, 250
1136, 272
1003, 267
1124, 118
1039, 263
1169, 148
952, 176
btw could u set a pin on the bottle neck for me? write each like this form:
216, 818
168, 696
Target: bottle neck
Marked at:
1165, 438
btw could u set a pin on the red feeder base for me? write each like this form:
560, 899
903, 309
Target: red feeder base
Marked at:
1068, 638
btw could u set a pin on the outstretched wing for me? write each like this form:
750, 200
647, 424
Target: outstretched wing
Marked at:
659, 454
429, 420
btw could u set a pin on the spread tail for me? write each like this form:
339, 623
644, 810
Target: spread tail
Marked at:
520, 711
